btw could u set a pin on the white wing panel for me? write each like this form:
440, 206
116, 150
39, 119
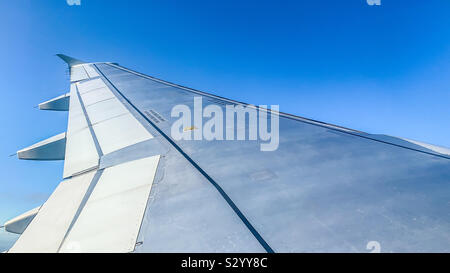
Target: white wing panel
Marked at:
105, 110
77, 120
78, 73
96, 96
112, 216
87, 86
114, 126
91, 71
120, 132
81, 153
48, 229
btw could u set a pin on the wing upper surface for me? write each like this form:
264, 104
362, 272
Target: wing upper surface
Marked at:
129, 186
325, 189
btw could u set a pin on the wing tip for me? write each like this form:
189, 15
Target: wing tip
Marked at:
69, 60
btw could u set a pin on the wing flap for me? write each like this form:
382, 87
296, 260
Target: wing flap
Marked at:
120, 132
48, 229
111, 218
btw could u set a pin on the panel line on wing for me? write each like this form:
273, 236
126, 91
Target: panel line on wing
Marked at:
81, 153
113, 117
94, 103
90, 71
94, 137
78, 73
85, 71
88, 193
92, 90
82, 172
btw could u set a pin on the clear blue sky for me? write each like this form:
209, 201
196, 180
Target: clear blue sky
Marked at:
379, 69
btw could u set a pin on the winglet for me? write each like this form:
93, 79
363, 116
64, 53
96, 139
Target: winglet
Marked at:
69, 60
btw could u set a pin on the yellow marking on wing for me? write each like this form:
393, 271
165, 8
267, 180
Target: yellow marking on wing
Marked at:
190, 128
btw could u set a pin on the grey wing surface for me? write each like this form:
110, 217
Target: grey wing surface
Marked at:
129, 186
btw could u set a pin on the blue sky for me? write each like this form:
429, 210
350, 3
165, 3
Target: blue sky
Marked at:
379, 69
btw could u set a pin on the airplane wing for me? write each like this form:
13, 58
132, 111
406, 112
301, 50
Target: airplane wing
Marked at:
131, 186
